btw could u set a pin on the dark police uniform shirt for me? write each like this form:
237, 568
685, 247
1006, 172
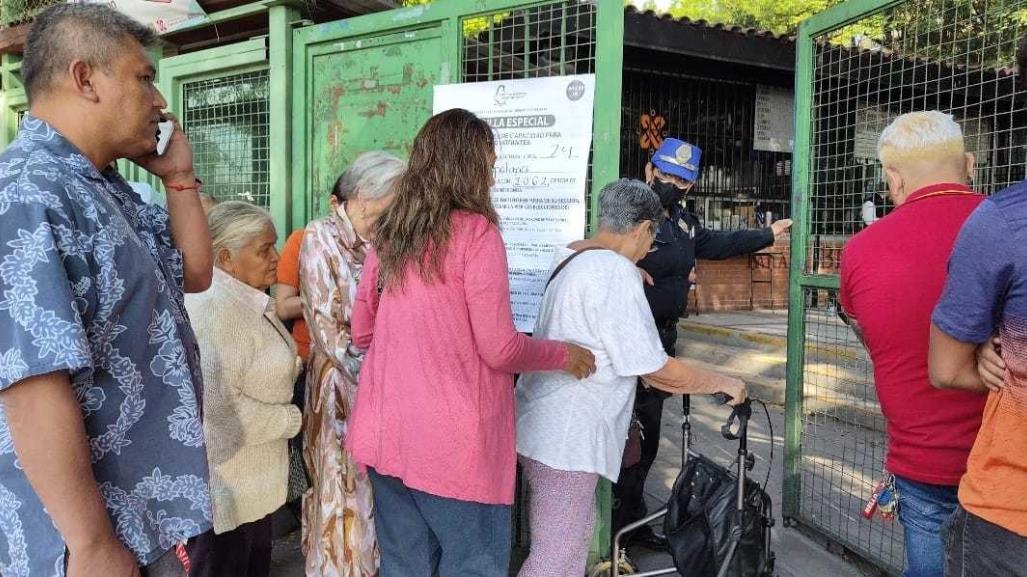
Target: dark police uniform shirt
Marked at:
680, 240
91, 285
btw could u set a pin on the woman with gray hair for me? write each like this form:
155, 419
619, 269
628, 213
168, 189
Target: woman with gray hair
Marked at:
338, 529
570, 432
249, 364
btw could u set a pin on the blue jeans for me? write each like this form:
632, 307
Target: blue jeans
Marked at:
422, 535
923, 511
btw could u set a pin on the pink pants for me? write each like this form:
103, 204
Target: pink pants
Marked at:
562, 518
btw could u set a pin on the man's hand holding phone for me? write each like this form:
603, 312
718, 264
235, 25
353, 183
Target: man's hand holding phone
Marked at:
175, 165
164, 130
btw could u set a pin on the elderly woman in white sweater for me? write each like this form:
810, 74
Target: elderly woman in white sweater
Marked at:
569, 431
249, 363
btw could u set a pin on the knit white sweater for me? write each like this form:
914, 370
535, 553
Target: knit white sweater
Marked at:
249, 366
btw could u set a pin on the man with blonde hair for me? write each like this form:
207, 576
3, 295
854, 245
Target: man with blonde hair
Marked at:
892, 276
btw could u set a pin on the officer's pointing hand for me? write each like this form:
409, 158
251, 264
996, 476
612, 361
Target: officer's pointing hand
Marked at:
646, 277
780, 227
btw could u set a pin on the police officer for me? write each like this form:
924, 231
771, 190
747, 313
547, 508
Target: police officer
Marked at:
680, 240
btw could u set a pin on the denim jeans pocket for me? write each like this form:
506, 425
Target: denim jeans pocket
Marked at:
926, 507
952, 533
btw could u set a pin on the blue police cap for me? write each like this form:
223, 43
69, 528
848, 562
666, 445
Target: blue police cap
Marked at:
678, 158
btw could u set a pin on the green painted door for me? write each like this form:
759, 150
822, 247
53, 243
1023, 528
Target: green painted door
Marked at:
367, 83
367, 94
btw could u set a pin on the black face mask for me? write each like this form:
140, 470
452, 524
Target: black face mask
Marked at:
669, 194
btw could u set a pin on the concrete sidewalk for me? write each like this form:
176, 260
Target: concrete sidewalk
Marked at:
797, 554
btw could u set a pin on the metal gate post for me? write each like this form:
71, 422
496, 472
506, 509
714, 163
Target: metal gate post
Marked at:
14, 98
281, 17
791, 479
605, 168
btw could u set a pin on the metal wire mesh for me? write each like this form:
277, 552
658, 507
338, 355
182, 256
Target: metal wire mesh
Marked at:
18, 11
739, 184
952, 55
844, 440
556, 39
227, 119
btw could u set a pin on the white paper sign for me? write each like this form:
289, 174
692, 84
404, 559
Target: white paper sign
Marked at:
870, 123
543, 135
164, 16
872, 120
774, 121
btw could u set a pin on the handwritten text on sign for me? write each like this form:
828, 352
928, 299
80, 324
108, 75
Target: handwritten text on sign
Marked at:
543, 132
774, 119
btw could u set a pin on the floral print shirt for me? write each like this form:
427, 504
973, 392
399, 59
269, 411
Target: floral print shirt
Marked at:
91, 284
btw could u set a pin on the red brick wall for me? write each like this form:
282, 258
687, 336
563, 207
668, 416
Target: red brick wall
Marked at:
727, 285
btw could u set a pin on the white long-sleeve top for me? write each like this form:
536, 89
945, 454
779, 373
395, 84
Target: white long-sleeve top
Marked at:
249, 363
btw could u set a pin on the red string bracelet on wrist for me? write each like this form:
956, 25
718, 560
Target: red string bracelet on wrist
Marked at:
183, 187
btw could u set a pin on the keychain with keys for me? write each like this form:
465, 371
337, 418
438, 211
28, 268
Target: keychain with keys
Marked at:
888, 502
884, 498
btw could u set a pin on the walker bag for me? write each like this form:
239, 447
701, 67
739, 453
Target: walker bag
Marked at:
702, 515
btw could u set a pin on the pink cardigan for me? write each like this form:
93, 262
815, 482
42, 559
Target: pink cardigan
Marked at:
435, 404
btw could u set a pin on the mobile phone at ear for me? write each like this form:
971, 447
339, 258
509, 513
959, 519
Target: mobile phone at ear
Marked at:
164, 130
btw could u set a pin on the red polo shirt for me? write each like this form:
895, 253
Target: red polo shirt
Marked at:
892, 275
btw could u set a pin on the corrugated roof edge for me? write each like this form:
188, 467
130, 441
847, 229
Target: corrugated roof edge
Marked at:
732, 29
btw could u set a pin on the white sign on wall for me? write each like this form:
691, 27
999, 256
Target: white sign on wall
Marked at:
872, 120
543, 132
774, 121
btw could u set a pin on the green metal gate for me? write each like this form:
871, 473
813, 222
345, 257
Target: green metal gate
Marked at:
366, 83
859, 65
14, 101
222, 97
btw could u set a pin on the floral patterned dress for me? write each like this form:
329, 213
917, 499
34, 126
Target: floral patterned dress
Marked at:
338, 528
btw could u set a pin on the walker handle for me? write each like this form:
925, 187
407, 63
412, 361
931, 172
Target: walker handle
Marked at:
738, 422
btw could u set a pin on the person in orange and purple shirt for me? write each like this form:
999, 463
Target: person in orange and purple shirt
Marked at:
985, 295
892, 274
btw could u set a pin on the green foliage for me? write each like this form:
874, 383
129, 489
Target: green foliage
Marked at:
778, 16
472, 26
975, 33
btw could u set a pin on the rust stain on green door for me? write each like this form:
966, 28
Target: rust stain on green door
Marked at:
367, 97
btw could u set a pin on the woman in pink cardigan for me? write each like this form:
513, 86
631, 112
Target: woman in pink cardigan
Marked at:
434, 417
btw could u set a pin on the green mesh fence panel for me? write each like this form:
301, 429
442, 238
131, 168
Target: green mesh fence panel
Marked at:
227, 120
557, 39
957, 56
844, 442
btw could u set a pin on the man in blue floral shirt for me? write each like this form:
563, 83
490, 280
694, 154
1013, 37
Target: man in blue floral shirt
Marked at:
102, 463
